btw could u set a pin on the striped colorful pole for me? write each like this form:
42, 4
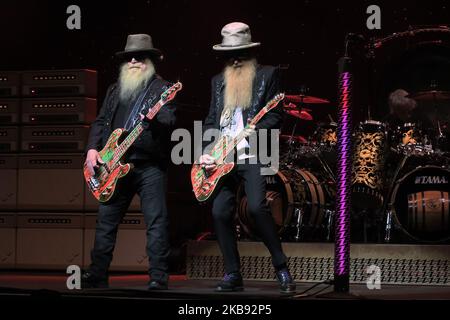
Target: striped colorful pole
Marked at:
343, 203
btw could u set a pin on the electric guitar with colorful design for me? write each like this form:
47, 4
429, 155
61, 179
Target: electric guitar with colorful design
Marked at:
103, 183
205, 183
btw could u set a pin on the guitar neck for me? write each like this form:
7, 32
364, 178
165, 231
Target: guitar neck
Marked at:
127, 142
153, 111
135, 133
167, 96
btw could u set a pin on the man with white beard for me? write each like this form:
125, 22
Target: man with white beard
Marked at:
238, 94
137, 89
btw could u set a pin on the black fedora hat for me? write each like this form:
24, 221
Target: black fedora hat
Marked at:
139, 44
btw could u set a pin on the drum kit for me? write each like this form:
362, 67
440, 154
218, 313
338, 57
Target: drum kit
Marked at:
412, 198
417, 201
301, 195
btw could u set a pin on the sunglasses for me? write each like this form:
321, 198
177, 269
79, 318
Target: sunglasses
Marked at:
138, 57
240, 55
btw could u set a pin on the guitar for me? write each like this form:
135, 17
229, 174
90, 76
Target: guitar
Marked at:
204, 184
103, 183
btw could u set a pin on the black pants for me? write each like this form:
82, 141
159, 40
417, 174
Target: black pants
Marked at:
223, 214
149, 182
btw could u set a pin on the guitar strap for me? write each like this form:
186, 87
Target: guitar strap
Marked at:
134, 115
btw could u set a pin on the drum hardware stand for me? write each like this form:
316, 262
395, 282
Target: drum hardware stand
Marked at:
330, 215
441, 135
388, 207
388, 225
327, 168
299, 212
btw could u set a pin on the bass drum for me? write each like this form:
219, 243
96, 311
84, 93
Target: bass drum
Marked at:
420, 200
286, 192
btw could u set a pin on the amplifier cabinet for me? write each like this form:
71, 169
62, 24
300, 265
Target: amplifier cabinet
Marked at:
9, 111
59, 83
51, 182
8, 224
9, 139
58, 110
8, 185
61, 138
129, 253
49, 240
9, 84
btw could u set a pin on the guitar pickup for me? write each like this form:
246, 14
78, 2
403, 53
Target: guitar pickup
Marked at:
93, 184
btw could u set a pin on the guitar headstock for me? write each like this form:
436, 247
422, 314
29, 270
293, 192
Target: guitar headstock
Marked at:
170, 93
274, 102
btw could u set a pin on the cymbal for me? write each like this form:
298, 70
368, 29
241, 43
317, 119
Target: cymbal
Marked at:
431, 95
301, 98
286, 137
292, 106
301, 114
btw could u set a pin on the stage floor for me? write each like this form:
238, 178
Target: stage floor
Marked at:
133, 286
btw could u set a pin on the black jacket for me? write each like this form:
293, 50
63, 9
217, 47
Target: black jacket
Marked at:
153, 143
265, 86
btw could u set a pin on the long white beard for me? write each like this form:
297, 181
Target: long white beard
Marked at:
238, 88
131, 81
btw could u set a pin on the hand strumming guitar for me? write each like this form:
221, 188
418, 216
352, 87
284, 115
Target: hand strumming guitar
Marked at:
93, 160
208, 162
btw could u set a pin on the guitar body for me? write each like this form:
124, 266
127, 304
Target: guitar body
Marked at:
205, 185
103, 183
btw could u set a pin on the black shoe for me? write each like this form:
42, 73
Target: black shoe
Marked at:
287, 284
157, 285
231, 282
90, 280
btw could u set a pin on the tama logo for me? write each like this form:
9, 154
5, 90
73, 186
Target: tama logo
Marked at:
431, 180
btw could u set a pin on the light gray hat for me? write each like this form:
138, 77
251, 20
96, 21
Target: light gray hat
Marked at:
236, 36
140, 44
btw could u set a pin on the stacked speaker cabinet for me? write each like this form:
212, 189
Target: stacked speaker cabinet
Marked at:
8, 185
74, 110
9, 111
9, 146
59, 83
47, 214
56, 109
8, 235
51, 182
49, 240
8, 207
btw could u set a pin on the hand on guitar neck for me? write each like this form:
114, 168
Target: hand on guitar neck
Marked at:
93, 160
